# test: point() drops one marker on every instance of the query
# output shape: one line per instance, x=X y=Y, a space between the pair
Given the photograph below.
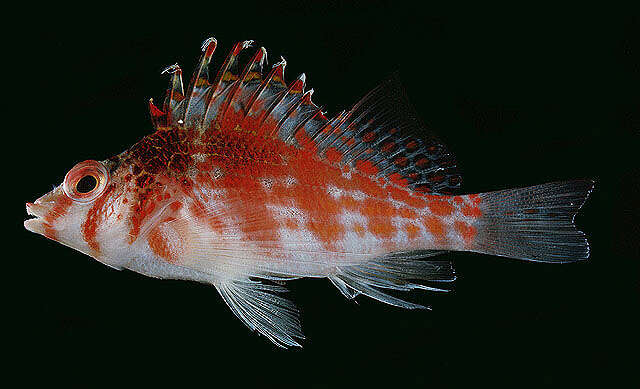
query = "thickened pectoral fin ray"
x=262 y=309
x=398 y=271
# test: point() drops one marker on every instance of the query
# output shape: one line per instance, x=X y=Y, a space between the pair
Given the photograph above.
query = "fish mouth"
x=37 y=223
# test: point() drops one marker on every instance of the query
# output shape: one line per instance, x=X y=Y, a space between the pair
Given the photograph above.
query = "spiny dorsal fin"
x=200 y=84
x=175 y=95
x=380 y=136
x=228 y=74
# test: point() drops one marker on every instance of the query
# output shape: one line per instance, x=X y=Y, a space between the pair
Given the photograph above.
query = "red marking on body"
x=140 y=211
x=475 y=198
x=307 y=144
x=467 y=231
x=422 y=162
x=198 y=210
x=166 y=242
x=373 y=208
x=403 y=195
x=413 y=231
x=401 y=162
x=292 y=224
x=333 y=155
x=59 y=209
x=440 y=207
x=350 y=203
x=95 y=216
x=435 y=227
x=471 y=211
x=388 y=146
x=369 y=136
x=366 y=167
x=382 y=229
x=397 y=179
x=408 y=213
x=412 y=145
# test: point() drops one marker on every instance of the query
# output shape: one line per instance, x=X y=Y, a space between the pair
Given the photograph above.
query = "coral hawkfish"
x=245 y=183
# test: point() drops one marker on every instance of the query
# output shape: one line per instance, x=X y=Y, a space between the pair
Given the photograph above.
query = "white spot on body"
x=334 y=191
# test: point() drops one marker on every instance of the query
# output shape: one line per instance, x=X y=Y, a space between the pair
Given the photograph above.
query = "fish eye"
x=86 y=184
x=86 y=181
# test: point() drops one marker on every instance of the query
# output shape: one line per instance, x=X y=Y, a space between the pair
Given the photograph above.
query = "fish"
x=244 y=183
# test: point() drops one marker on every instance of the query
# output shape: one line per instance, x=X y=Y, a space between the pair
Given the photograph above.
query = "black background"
x=520 y=96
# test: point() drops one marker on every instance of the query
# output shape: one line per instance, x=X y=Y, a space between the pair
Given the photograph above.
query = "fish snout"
x=38 y=223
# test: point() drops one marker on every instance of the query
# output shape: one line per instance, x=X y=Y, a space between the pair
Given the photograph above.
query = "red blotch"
x=435 y=227
x=369 y=136
x=382 y=228
x=408 y=213
x=333 y=155
x=471 y=211
x=412 y=145
x=440 y=207
x=366 y=167
x=292 y=224
x=165 y=242
x=94 y=217
x=467 y=231
x=60 y=208
x=388 y=146
x=413 y=231
x=397 y=179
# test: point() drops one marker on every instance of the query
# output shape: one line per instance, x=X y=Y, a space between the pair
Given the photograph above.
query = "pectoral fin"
x=261 y=309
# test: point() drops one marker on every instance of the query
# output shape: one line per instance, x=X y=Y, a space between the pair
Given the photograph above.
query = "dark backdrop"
x=521 y=97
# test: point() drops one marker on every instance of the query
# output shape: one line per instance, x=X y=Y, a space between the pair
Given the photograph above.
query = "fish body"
x=246 y=183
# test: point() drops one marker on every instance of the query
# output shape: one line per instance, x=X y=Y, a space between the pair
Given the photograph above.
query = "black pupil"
x=86 y=184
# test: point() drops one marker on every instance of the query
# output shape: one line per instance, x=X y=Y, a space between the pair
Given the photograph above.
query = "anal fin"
x=397 y=271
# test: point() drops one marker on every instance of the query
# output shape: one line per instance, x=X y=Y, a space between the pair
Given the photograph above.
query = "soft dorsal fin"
x=380 y=136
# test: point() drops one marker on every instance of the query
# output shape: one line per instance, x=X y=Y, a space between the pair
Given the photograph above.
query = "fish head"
x=87 y=212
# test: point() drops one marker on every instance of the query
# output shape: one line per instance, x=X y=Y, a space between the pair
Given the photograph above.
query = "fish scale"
x=245 y=183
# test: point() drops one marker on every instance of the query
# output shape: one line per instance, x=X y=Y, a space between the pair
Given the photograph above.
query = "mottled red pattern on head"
x=59 y=209
x=98 y=213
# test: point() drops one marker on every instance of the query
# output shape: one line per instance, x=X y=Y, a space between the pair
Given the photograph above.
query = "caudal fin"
x=534 y=223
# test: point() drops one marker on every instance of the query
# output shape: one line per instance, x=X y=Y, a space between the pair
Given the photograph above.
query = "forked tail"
x=534 y=223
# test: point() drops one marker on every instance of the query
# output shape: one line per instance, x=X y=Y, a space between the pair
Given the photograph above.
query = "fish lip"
x=37 y=223
x=37 y=210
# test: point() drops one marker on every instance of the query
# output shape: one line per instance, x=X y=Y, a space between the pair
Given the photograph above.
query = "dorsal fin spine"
x=158 y=118
x=320 y=135
x=175 y=93
x=235 y=86
x=334 y=125
x=279 y=66
x=296 y=87
x=304 y=100
x=295 y=106
x=216 y=87
x=201 y=74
